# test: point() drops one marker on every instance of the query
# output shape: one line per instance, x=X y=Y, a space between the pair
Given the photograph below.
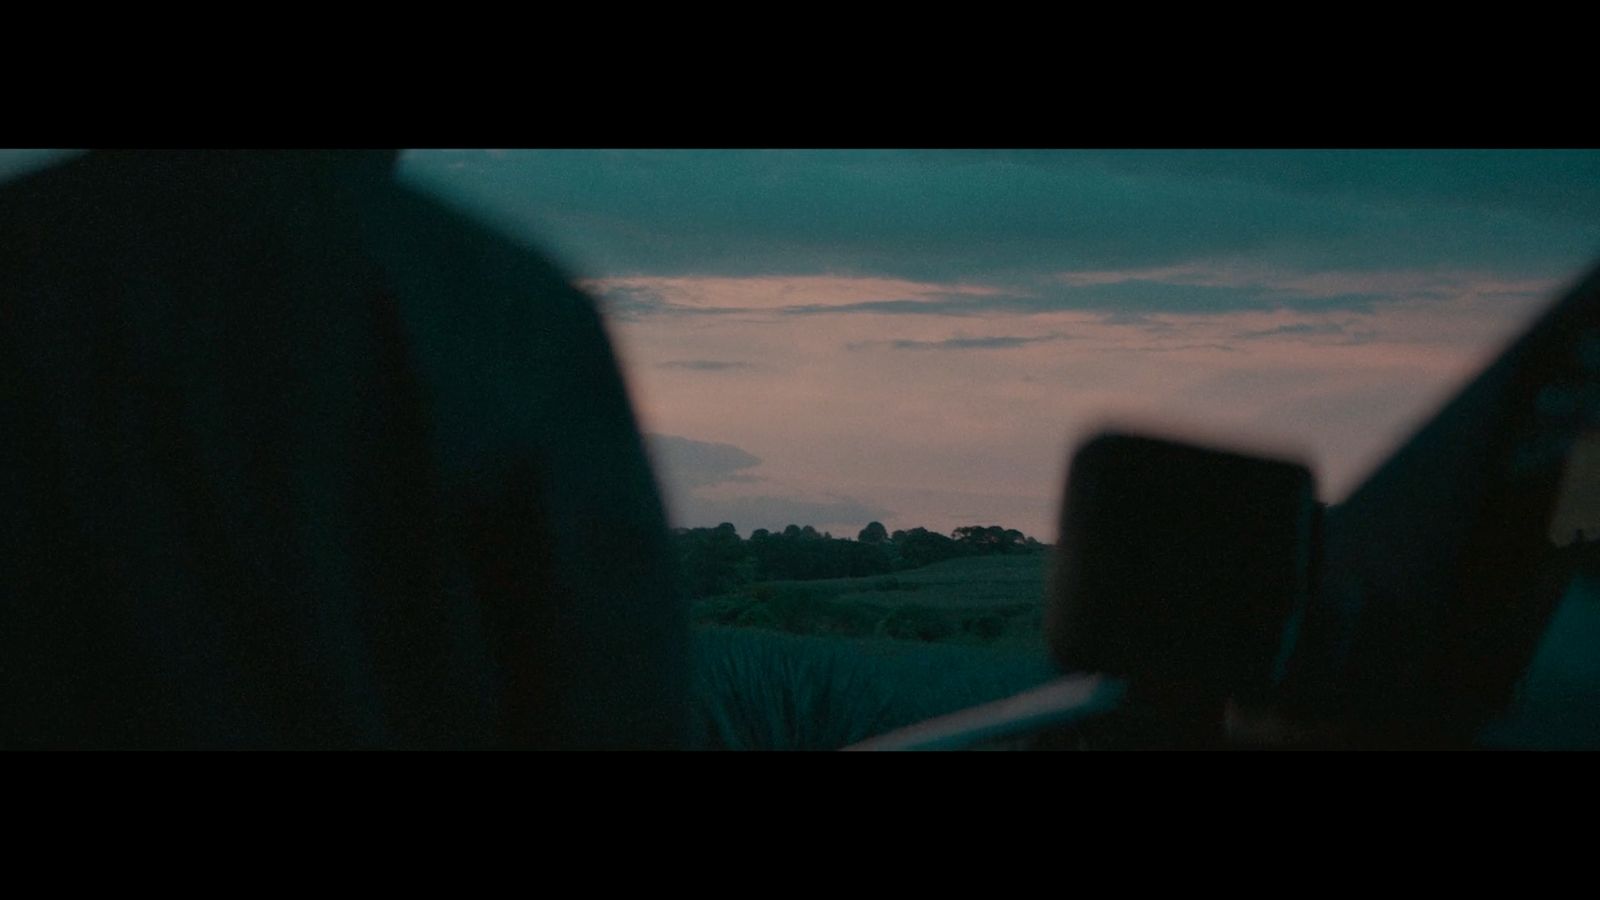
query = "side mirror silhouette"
x=1179 y=569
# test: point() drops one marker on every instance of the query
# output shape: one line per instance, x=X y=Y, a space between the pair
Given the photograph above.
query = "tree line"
x=716 y=560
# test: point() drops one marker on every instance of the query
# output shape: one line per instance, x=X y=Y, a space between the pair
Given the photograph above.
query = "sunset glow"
x=921 y=338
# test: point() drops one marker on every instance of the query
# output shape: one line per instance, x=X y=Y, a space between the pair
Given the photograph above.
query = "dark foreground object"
x=291 y=456
x=1233 y=612
x=1406 y=616
x=1439 y=574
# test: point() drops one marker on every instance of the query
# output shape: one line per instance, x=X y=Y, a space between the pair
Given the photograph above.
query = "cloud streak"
x=1313 y=332
x=1127 y=296
x=685 y=464
x=630 y=302
x=705 y=365
x=1005 y=342
x=1122 y=298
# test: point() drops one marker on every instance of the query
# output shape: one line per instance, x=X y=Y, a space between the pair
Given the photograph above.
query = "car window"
x=860 y=374
x=883 y=347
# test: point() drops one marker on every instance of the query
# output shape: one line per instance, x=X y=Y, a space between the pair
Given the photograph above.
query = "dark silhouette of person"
x=296 y=457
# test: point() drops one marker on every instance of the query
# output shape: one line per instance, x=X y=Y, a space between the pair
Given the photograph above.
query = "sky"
x=922 y=337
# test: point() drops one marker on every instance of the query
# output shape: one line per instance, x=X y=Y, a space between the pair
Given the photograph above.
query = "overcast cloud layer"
x=825 y=337
x=951 y=216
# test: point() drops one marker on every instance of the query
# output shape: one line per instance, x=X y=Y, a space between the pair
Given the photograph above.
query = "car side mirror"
x=1180 y=569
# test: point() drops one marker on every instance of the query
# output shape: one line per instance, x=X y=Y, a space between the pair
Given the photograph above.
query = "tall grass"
x=762 y=690
x=980 y=601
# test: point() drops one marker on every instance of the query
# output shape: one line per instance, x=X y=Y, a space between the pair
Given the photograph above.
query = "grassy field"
x=761 y=690
x=863 y=656
x=822 y=664
x=977 y=601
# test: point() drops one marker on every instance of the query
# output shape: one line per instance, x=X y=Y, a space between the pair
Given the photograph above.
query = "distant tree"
x=713 y=560
x=985 y=540
x=920 y=547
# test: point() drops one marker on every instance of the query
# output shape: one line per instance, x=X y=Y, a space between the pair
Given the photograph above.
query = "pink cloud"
x=1398 y=283
x=761 y=293
x=952 y=430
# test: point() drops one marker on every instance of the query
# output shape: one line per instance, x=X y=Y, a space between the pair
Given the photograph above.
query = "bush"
x=917 y=623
